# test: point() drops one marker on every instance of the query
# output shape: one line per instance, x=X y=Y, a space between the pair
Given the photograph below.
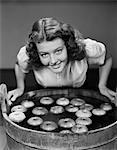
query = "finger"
x=116 y=102
x=2 y=87
x=14 y=97
x=112 y=93
x=112 y=98
x=103 y=92
x=107 y=94
x=9 y=102
x=1 y=97
x=5 y=89
x=10 y=94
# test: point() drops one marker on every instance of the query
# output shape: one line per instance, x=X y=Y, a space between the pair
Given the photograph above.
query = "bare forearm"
x=20 y=76
x=104 y=72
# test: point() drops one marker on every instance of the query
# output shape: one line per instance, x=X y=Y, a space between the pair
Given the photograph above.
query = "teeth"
x=57 y=65
x=59 y=62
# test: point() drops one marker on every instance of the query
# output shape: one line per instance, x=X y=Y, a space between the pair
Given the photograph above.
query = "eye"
x=58 y=51
x=44 y=55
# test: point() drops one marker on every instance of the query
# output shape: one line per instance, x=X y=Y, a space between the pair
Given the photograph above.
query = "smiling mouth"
x=56 y=66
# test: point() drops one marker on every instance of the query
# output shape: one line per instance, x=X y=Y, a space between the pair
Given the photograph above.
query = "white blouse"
x=75 y=72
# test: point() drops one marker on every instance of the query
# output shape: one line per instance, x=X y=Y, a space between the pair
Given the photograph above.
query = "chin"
x=58 y=70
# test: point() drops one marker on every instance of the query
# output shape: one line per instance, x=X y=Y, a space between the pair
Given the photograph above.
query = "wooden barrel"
x=20 y=138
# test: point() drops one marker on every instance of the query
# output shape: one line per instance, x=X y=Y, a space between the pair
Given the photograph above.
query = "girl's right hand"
x=12 y=95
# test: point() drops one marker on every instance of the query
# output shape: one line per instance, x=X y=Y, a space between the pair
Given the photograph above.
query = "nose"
x=53 y=59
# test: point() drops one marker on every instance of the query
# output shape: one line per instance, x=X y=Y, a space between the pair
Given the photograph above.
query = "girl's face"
x=53 y=54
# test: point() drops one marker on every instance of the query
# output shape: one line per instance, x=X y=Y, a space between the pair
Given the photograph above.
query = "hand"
x=108 y=93
x=3 y=92
x=1 y=97
x=12 y=95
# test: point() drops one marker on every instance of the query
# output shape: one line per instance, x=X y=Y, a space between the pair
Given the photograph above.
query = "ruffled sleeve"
x=95 y=51
x=23 y=59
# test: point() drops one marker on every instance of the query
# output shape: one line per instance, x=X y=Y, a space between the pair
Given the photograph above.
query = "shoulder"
x=94 y=48
x=23 y=60
x=22 y=55
x=92 y=42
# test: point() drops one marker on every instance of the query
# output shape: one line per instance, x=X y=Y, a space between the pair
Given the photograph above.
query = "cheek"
x=64 y=56
x=44 y=61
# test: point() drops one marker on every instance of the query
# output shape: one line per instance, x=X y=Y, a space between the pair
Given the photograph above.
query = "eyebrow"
x=61 y=47
x=43 y=53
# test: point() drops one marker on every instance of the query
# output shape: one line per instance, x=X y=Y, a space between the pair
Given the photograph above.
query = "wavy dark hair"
x=49 y=29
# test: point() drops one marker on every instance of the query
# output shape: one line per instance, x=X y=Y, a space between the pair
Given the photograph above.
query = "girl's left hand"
x=3 y=90
x=109 y=93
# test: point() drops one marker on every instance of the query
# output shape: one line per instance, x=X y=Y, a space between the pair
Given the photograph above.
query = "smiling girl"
x=59 y=56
